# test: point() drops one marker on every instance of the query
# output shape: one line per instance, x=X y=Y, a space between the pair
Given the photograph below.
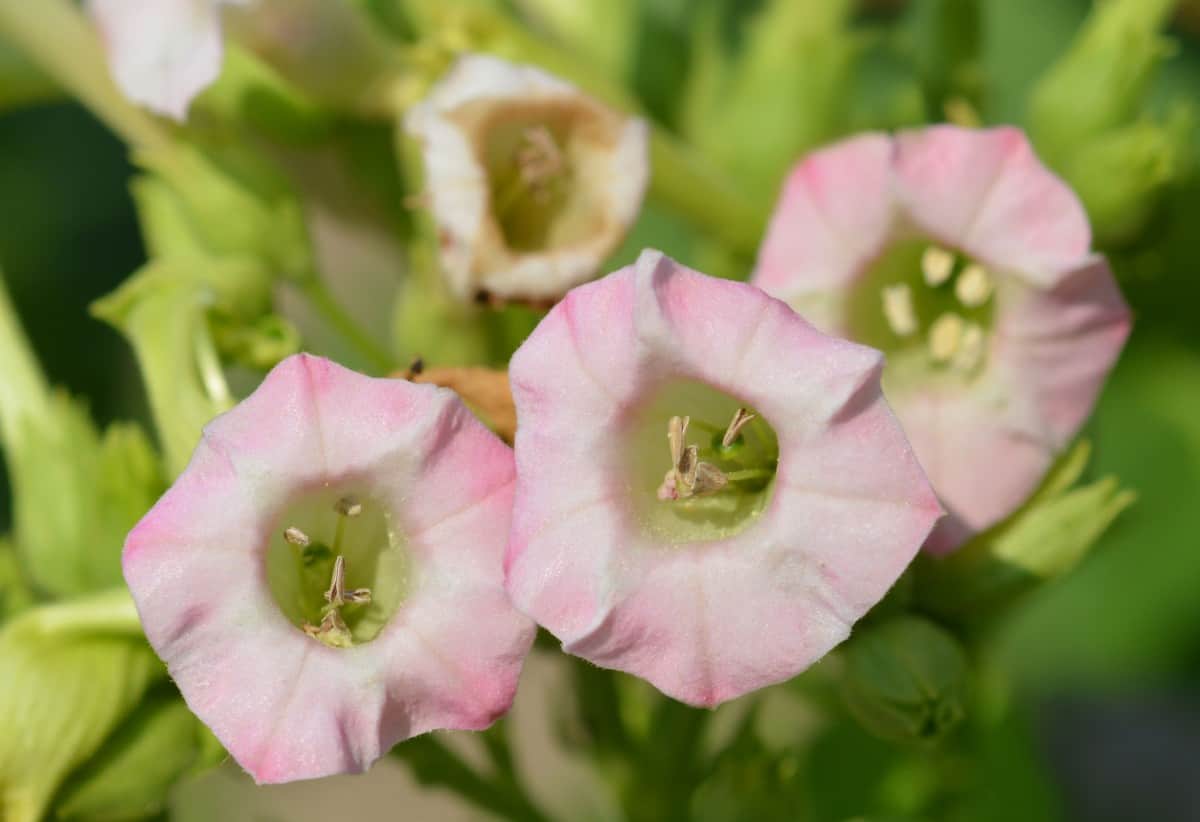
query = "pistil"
x=332 y=630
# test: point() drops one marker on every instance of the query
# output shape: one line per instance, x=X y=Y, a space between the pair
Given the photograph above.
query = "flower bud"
x=906 y=680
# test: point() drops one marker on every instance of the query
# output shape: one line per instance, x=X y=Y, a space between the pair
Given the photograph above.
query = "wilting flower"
x=325 y=578
x=962 y=257
x=531 y=183
x=162 y=53
x=709 y=491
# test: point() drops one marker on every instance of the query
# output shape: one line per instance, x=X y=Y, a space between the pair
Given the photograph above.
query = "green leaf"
x=69 y=674
x=15 y=594
x=1042 y=541
x=129 y=777
x=76 y=494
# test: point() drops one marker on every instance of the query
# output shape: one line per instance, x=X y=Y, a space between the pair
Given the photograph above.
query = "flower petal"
x=987 y=193
x=833 y=217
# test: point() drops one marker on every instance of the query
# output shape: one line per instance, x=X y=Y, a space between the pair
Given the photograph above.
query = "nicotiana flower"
x=326 y=577
x=962 y=257
x=531 y=183
x=162 y=53
x=709 y=491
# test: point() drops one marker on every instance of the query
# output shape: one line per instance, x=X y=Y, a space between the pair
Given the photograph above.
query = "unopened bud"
x=906 y=680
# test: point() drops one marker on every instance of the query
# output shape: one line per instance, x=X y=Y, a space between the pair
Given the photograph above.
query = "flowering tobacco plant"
x=325 y=579
x=790 y=501
x=719 y=488
x=960 y=255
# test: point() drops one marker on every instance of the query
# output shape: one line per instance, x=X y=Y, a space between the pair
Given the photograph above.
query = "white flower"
x=531 y=183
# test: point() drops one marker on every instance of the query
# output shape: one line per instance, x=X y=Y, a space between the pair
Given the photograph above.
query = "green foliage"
x=757 y=110
x=69 y=674
x=76 y=494
x=1129 y=614
x=129 y=776
x=1088 y=117
x=1046 y=538
x=163 y=311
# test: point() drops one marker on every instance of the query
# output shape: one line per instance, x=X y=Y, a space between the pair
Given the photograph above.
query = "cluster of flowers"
x=707 y=488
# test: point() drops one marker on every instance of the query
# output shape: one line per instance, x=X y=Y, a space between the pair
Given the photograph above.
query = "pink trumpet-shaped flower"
x=960 y=255
x=325 y=578
x=162 y=53
x=709 y=491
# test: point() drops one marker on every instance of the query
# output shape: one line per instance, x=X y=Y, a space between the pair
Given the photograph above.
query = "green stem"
x=331 y=310
x=23 y=390
x=54 y=36
x=433 y=763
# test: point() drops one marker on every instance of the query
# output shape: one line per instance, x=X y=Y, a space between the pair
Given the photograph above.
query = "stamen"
x=973 y=286
x=970 y=349
x=937 y=264
x=945 y=337
x=294 y=536
x=689 y=476
x=740 y=418
x=336 y=595
x=898 y=310
x=539 y=160
x=348 y=507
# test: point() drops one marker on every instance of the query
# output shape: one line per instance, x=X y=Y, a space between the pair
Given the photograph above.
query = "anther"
x=689 y=476
x=945 y=337
x=348 y=507
x=337 y=595
x=295 y=536
x=740 y=418
x=937 y=264
x=973 y=286
x=898 y=309
x=970 y=348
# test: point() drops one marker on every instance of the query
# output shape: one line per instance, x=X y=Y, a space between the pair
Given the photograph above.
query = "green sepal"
x=227 y=201
x=1100 y=83
x=602 y=31
x=1122 y=174
x=251 y=92
x=905 y=680
x=164 y=313
x=76 y=494
x=69 y=675
x=259 y=344
x=757 y=110
x=1042 y=541
x=130 y=776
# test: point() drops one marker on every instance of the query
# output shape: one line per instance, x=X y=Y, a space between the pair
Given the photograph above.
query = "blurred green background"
x=1105 y=664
